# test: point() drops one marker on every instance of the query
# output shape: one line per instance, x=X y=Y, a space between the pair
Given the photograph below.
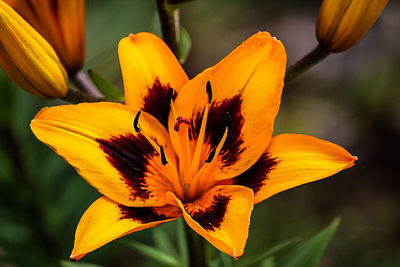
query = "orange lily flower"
x=202 y=150
x=61 y=23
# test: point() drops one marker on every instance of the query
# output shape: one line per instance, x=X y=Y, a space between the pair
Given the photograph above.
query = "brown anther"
x=178 y=122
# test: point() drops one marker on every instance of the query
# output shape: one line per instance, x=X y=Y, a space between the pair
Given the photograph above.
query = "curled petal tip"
x=355 y=159
x=131 y=37
x=234 y=255
x=74 y=257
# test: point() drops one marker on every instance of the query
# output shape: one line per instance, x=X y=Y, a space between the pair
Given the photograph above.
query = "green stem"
x=311 y=59
x=169 y=19
x=81 y=80
x=75 y=96
x=196 y=247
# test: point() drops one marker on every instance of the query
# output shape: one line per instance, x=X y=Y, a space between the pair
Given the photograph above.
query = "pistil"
x=181 y=127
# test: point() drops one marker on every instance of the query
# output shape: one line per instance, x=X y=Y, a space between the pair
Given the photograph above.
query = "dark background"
x=350 y=99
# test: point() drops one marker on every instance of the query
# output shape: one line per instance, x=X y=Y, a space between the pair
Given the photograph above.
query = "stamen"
x=163 y=157
x=178 y=122
x=170 y=94
x=209 y=91
x=228 y=121
x=211 y=155
x=200 y=141
x=136 y=121
x=202 y=177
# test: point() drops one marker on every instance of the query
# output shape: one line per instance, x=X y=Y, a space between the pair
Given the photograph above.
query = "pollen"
x=136 y=121
x=179 y=121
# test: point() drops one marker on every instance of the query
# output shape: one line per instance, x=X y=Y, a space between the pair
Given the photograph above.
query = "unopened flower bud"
x=342 y=23
x=28 y=59
x=61 y=23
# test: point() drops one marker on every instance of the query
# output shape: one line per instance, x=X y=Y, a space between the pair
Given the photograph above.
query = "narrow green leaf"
x=182 y=241
x=152 y=253
x=163 y=242
x=7 y=98
x=77 y=264
x=155 y=26
x=226 y=260
x=105 y=87
x=185 y=44
x=269 y=262
x=309 y=253
x=250 y=260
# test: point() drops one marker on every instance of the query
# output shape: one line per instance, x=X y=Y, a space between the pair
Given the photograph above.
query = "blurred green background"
x=351 y=99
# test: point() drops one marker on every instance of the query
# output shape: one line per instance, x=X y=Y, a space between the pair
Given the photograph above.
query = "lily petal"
x=292 y=160
x=222 y=216
x=99 y=141
x=106 y=220
x=149 y=70
x=247 y=84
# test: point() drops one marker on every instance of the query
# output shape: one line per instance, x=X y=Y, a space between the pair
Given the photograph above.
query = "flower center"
x=196 y=159
x=194 y=170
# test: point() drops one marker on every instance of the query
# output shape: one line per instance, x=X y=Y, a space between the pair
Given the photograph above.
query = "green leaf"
x=222 y=260
x=185 y=44
x=152 y=253
x=155 y=26
x=77 y=264
x=182 y=241
x=105 y=87
x=309 y=253
x=7 y=98
x=163 y=242
x=269 y=262
x=250 y=260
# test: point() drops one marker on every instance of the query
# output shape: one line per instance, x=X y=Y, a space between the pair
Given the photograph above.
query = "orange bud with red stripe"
x=342 y=23
x=61 y=23
x=28 y=59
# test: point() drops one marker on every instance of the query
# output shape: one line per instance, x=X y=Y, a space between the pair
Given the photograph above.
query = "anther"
x=170 y=94
x=211 y=155
x=136 y=121
x=178 y=122
x=209 y=91
x=163 y=158
x=228 y=121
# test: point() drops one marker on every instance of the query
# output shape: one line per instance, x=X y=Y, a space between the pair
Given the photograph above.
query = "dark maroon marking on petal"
x=212 y=217
x=54 y=7
x=130 y=154
x=32 y=9
x=143 y=214
x=156 y=101
x=256 y=176
x=216 y=125
x=211 y=155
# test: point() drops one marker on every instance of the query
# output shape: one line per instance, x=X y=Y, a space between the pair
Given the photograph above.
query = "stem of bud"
x=170 y=25
x=81 y=80
x=311 y=59
x=75 y=96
